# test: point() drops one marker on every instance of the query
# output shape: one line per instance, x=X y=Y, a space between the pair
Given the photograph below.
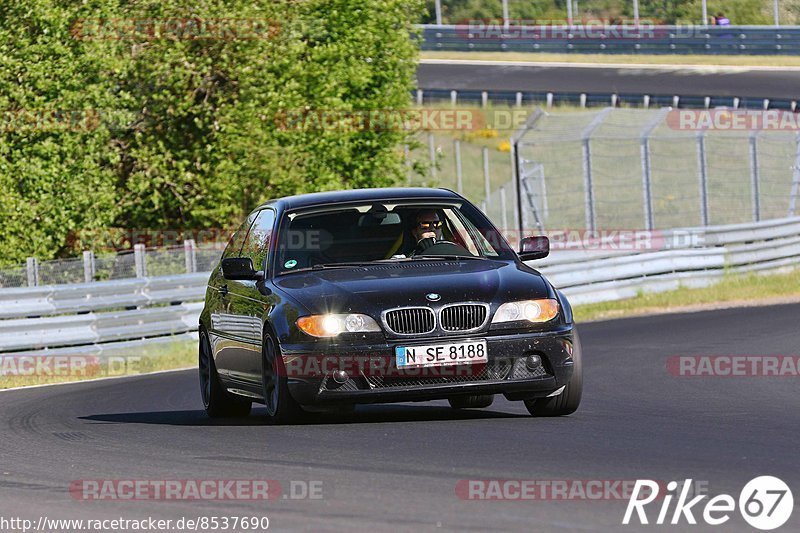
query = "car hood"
x=371 y=289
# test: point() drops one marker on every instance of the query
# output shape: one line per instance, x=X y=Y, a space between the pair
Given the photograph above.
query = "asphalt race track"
x=395 y=467
x=703 y=81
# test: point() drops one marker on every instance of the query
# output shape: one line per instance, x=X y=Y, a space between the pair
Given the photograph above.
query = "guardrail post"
x=518 y=100
x=549 y=99
x=459 y=177
x=88 y=266
x=702 y=177
x=484 y=98
x=419 y=96
x=755 y=184
x=32 y=268
x=453 y=97
x=190 y=255
x=487 y=189
x=140 y=261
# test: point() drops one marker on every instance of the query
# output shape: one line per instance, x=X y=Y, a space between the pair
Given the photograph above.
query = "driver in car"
x=427 y=230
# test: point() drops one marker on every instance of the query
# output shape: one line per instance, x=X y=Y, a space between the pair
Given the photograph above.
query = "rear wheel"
x=570 y=398
x=282 y=408
x=217 y=402
x=475 y=401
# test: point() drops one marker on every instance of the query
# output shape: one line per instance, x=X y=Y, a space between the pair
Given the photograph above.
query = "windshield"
x=373 y=232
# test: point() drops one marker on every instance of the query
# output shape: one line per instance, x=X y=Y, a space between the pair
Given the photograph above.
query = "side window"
x=256 y=245
x=237 y=239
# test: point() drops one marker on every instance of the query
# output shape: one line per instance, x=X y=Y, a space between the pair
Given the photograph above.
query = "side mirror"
x=531 y=248
x=240 y=268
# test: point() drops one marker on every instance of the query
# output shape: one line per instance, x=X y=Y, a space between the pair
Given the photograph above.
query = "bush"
x=189 y=134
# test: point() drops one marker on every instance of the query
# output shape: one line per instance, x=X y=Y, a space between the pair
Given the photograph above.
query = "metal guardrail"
x=548 y=99
x=585 y=276
x=689 y=39
x=705 y=258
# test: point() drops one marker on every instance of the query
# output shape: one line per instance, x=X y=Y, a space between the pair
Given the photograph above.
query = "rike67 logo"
x=765 y=503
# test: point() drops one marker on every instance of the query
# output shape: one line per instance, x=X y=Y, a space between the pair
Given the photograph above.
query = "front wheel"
x=282 y=408
x=217 y=402
x=570 y=398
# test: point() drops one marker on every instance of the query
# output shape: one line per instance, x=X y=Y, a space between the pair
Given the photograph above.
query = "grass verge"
x=732 y=291
x=44 y=369
x=623 y=59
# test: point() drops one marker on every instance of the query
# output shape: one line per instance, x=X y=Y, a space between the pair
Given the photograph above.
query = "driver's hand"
x=424 y=244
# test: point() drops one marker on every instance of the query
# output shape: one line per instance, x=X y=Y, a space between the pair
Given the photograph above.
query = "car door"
x=227 y=333
x=248 y=303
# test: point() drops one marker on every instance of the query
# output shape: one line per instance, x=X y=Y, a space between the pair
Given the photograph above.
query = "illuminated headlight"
x=334 y=324
x=529 y=310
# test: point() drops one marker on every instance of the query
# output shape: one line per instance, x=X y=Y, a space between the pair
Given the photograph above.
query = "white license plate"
x=458 y=353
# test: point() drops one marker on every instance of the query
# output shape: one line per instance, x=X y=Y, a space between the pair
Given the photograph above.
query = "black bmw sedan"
x=327 y=300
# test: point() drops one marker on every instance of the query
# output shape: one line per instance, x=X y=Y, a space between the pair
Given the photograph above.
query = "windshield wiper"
x=445 y=257
x=322 y=266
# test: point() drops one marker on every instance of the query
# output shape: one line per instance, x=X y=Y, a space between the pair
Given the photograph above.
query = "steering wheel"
x=444 y=248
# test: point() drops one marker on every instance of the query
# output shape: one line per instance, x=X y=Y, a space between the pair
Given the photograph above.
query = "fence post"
x=487 y=188
x=140 y=261
x=32 y=268
x=190 y=255
x=647 y=177
x=88 y=266
x=514 y=185
x=407 y=159
x=432 y=154
x=795 y=178
x=588 y=185
x=702 y=177
x=459 y=177
x=755 y=184
x=503 y=206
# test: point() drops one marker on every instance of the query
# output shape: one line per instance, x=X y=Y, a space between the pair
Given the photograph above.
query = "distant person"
x=722 y=20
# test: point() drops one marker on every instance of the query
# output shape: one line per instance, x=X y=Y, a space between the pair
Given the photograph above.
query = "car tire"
x=568 y=401
x=475 y=401
x=282 y=408
x=217 y=402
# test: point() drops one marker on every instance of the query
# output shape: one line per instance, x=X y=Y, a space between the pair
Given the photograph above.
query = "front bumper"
x=372 y=376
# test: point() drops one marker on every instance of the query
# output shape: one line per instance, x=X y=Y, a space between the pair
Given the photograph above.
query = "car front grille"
x=495 y=371
x=410 y=320
x=463 y=317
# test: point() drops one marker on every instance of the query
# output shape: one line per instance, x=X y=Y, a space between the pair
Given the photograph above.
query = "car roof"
x=355 y=195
